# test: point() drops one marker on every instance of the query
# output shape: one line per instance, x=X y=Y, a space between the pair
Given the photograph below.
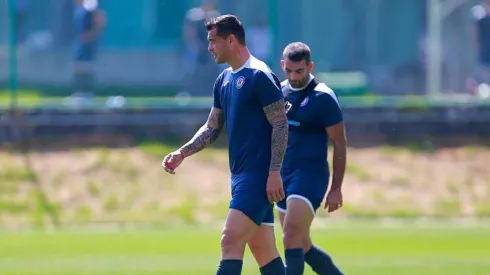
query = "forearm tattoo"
x=206 y=135
x=276 y=114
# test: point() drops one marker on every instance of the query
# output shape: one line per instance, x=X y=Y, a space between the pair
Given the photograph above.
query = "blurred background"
x=93 y=94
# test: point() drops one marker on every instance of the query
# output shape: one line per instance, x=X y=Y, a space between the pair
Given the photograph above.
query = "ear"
x=311 y=66
x=231 y=39
x=283 y=64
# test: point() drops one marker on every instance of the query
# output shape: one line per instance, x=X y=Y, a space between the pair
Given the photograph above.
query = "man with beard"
x=314 y=118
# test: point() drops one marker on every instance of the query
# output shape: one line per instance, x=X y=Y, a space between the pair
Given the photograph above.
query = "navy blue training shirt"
x=242 y=94
x=310 y=111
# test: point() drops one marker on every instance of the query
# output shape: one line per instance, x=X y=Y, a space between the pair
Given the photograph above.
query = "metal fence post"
x=12 y=54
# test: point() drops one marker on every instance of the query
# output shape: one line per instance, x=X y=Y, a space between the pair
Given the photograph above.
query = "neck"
x=240 y=57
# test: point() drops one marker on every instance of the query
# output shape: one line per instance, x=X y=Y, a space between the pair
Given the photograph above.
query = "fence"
x=375 y=47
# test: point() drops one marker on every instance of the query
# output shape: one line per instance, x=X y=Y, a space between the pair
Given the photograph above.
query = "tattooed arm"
x=276 y=114
x=206 y=135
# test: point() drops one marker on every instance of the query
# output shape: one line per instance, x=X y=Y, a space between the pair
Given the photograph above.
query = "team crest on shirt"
x=240 y=81
x=304 y=102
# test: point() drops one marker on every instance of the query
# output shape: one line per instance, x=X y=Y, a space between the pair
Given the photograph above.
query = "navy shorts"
x=308 y=182
x=248 y=195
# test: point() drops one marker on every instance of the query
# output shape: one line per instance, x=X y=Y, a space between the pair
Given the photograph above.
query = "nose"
x=295 y=76
x=210 y=49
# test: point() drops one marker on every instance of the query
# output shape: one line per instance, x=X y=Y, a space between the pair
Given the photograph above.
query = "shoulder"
x=226 y=73
x=284 y=84
x=284 y=88
x=262 y=72
x=223 y=76
x=478 y=12
x=325 y=93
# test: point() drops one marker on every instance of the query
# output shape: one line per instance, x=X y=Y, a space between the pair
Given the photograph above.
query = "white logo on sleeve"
x=288 y=106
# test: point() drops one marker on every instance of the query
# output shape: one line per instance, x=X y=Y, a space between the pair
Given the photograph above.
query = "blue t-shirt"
x=310 y=111
x=83 y=20
x=242 y=94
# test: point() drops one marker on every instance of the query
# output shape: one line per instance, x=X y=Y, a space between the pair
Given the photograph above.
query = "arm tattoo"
x=276 y=114
x=206 y=135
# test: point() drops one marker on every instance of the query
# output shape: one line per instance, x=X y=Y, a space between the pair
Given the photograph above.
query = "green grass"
x=358 y=247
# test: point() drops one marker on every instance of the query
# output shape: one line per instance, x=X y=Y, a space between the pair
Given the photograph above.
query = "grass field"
x=359 y=248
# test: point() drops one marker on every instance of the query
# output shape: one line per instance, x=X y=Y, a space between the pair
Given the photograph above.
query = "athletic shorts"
x=248 y=195
x=308 y=183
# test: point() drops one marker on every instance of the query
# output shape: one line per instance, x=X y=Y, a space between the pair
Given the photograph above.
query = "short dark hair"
x=297 y=51
x=227 y=25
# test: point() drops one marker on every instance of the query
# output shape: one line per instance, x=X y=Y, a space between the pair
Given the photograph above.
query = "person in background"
x=481 y=35
x=89 y=21
x=260 y=39
x=22 y=19
x=198 y=68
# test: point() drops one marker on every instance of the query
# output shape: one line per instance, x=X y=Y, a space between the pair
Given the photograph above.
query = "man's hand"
x=334 y=200
x=172 y=161
x=275 y=191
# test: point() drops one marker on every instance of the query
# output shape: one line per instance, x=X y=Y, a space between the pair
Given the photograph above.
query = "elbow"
x=340 y=143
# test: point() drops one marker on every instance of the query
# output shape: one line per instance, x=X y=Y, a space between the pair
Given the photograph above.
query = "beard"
x=219 y=59
x=299 y=83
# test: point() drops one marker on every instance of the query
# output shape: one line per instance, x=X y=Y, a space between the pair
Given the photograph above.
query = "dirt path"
x=128 y=184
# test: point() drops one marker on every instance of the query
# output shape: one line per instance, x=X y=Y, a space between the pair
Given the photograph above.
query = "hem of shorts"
x=307 y=201
x=281 y=210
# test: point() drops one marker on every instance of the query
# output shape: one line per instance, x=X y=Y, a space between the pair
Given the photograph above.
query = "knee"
x=294 y=235
x=231 y=242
